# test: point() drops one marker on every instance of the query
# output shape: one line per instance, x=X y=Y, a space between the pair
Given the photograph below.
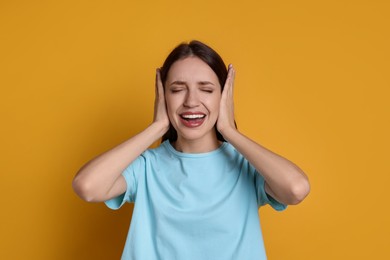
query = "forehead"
x=191 y=69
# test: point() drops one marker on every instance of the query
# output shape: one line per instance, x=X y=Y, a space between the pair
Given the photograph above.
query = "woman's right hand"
x=160 y=108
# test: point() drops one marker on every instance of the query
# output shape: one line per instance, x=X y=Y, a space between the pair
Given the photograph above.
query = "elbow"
x=83 y=189
x=299 y=191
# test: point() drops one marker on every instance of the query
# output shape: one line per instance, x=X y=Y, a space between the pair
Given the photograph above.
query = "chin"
x=190 y=136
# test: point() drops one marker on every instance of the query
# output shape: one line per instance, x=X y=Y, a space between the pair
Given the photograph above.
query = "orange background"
x=312 y=83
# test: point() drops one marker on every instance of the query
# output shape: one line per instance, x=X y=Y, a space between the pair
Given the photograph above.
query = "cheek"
x=169 y=109
x=212 y=105
x=171 y=104
x=215 y=102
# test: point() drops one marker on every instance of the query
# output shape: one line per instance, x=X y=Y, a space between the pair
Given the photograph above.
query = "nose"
x=192 y=99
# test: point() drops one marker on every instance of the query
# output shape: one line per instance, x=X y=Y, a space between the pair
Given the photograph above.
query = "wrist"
x=159 y=127
x=228 y=133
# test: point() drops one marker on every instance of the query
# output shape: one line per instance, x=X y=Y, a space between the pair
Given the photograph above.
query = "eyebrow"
x=177 y=82
x=180 y=82
x=206 y=83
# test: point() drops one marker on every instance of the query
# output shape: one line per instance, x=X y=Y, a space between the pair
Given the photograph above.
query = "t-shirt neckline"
x=169 y=146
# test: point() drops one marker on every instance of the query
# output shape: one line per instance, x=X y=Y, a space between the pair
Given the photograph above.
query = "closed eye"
x=206 y=86
x=175 y=90
x=207 y=90
x=177 y=86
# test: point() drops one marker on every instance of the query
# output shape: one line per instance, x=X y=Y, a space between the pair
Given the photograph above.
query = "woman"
x=197 y=194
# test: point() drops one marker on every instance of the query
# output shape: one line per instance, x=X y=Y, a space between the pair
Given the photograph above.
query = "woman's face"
x=193 y=94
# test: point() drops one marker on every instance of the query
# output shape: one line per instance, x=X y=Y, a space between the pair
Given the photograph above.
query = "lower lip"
x=192 y=123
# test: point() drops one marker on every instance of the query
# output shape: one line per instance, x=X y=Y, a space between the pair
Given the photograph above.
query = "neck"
x=196 y=146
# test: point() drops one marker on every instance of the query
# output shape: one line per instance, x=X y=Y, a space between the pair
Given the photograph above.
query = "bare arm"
x=285 y=182
x=101 y=178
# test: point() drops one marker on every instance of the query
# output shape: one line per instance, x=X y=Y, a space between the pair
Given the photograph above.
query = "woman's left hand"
x=226 y=108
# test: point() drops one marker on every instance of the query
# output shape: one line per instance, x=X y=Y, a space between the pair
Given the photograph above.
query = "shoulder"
x=239 y=160
x=231 y=152
x=158 y=152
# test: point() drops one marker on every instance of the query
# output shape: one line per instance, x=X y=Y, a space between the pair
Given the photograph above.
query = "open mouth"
x=192 y=119
x=192 y=116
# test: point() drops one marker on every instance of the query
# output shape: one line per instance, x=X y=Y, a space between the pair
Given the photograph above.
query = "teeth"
x=193 y=116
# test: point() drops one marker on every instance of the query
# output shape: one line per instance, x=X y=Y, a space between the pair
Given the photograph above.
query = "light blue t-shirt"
x=194 y=206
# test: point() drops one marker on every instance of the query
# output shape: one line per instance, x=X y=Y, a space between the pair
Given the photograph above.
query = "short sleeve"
x=263 y=198
x=131 y=173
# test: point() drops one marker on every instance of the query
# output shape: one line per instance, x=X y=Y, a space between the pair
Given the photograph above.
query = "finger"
x=156 y=83
x=230 y=79
x=159 y=85
x=230 y=76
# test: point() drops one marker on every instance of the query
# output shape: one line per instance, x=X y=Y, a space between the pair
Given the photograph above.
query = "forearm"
x=95 y=179
x=284 y=180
